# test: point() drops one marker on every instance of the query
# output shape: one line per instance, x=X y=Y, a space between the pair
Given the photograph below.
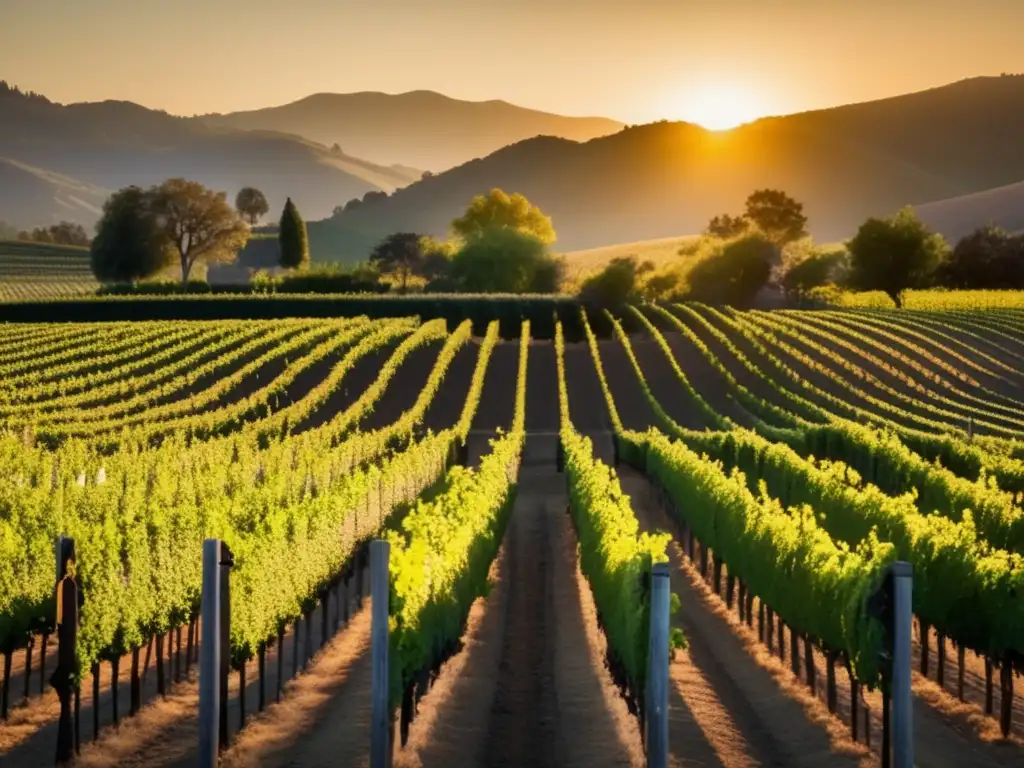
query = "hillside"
x=959 y=216
x=420 y=128
x=25 y=190
x=657 y=180
x=111 y=144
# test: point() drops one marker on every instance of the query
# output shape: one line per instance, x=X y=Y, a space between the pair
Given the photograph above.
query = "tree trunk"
x=924 y=649
x=809 y=664
x=960 y=672
x=988 y=686
x=940 y=667
x=730 y=590
x=830 y=680
x=1006 y=697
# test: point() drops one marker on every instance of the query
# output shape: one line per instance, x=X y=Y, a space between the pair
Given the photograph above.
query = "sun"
x=719 y=107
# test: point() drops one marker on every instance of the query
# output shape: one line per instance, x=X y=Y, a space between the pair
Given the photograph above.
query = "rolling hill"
x=420 y=128
x=959 y=216
x=107 y=145
x=657 y=180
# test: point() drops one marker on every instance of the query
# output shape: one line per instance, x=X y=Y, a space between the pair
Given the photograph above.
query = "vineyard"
x=35 y=272
x=527 y=482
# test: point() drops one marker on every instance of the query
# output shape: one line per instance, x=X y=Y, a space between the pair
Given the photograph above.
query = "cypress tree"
x=293 y=238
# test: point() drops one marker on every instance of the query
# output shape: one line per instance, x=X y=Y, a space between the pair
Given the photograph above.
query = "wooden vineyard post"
x=902 y=701
x=209 y=661
x=67 y=647
x=380 y=737
x=225 y=563
x=656 y=708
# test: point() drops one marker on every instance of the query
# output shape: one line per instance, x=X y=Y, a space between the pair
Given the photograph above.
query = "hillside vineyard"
x=526 y=488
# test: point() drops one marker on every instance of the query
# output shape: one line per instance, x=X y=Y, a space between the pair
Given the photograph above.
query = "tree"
x=816 y=269
x=129 y=246
x=503 y=260
x=894 y=254
x=293 y=238
x=617 y=284
x=355 y=202
x=198 y=223
x=989 y=257
x=399 y=254
x=498 y=210
x=726 y=226
x=777 y=215
x=437 y=257
x=734 y=274
x=251 y=204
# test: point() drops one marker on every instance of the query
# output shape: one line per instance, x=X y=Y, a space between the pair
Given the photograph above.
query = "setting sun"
x=720 y=107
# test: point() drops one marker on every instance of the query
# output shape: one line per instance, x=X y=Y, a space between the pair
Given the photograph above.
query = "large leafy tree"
x=129 y=246
x=989 y=257
x=734 y=274
x=251 y=204
x=505 y=260
x=498 y=210
x=198 y=223
x=779 y=217
x=616 y=284
x=894 y=254
x=293 y=238
x=400 y=254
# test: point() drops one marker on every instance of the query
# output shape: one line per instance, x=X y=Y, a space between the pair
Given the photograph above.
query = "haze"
x=715 y=63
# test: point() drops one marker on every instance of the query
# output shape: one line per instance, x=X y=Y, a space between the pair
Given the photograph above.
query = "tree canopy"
x=505 y=260
x=198 y=223
x=618 y=283
x=726 y=226
x=64 y=233
x=989 y=257
x=894 y=254
x=498 y=210
x=128 y=245
x=734 y=274
x=817 y=268
x=777 y=215
x=400 y=254
x=293 y=237
x=251 y=204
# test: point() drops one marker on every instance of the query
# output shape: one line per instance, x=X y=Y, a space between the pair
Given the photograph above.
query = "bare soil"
x=530 y=687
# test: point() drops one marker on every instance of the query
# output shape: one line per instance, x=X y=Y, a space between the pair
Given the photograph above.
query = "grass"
x=33 y=271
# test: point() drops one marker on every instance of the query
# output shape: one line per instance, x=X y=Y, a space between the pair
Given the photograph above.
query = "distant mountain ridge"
x=111 y=144
x=662 y=179
x=424 y=129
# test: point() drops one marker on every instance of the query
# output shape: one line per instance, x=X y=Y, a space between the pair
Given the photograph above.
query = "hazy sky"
x=635 y=60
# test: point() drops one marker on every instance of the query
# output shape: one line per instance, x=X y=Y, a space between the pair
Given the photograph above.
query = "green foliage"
x=815 y=270
x=727 y=227
x=251 y=204
x=989 y=257
x=441 y=557
x=734 y=275
x=197 y=223
x=617 y=284
x=778 y=216
x=783 y=556
x=498 y=210
x=894 y=254
x=400 y=254
x=64 y=233
x=129 y=244
x=293 y=238
x=505 y=260
x=614 y=556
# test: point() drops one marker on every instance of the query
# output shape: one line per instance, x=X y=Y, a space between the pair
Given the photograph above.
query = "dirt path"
x=530 y=688
x=401 y=392
x=450 y=398
x=726 y=708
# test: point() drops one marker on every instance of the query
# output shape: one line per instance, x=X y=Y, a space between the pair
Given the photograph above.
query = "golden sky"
x=637 y=61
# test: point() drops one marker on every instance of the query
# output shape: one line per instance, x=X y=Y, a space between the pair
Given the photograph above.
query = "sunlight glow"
x=719 y=107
